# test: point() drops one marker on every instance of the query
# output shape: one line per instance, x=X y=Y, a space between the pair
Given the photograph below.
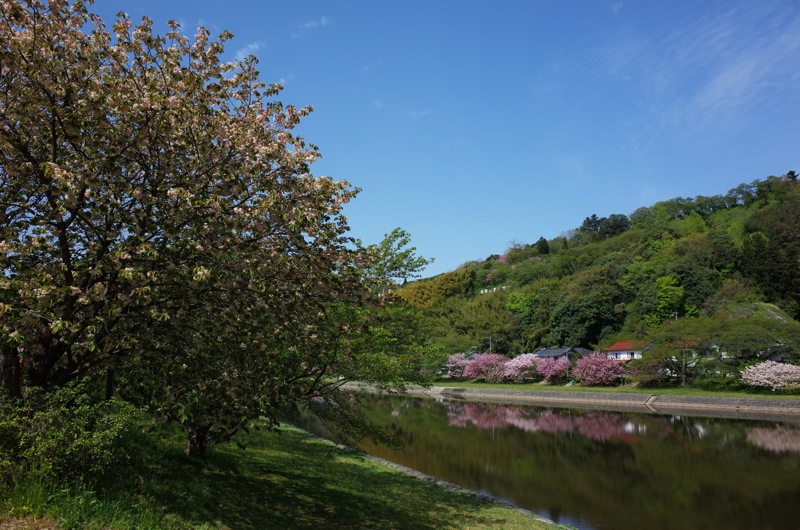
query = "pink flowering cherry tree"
x=454 y=366
x=519 y=368
x=485 y=365
x=598 y=370
x=553 y=369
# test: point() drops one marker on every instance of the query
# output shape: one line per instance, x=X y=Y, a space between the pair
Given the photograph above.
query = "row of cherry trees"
x=591 y=370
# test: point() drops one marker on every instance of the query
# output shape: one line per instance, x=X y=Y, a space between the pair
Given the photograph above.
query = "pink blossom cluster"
x=519 y=368
x=552 y=368
x=772 y=375
x=455 y=365
x=485 y=365
x=598 y=370
x=497 y=368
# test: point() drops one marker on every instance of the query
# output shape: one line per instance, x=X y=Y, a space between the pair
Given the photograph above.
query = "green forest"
x=714 y=278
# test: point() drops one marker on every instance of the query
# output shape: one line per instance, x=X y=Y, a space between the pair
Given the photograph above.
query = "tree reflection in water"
x=602 y=469
x=600 y=426
x=779 y=439
x=490 y=416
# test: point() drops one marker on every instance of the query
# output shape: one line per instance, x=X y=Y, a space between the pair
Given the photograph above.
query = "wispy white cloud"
x=248 y=50
x=616 y=7
x=414 y=114
x=367 y=68
x=286 y=79
x=717 y=70
x=727 y=67
x=378 y=104
x=311 y=25
x=211 y=26
x=314 y=24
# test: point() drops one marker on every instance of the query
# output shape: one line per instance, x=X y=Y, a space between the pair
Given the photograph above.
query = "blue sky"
x=473 y=124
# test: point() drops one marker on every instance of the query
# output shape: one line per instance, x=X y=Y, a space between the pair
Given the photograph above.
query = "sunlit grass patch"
x=285 y=479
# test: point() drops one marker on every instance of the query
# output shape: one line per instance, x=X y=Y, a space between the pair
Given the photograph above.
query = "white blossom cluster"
x=772 y=375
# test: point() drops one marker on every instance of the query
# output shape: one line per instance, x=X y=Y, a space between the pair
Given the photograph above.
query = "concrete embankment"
x=745 y=408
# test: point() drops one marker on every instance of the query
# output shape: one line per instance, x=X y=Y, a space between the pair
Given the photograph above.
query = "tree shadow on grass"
x=294 y=481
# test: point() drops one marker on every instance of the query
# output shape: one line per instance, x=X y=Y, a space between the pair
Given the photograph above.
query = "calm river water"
x=604 y=470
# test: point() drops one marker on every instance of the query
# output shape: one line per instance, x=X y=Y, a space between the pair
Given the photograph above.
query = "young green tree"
x=394 y=261
x=669 y=300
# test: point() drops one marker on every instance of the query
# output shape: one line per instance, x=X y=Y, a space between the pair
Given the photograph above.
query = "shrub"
x=63 y=433
x=455 y=365
x=551 y=368
x=519 y=368
x=486 y=365
x=598 y=370
x=771 y=374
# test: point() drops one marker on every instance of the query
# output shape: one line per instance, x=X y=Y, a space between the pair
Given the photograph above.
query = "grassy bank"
x=627 y=389
x=282 y=480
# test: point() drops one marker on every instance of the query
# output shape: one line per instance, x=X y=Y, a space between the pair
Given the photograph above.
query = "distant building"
x=561 y=353
x=625 y=350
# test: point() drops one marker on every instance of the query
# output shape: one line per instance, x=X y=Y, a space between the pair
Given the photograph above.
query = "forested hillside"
x=721 y=270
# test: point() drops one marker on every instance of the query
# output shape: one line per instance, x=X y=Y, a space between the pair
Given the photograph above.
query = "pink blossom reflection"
x=778 y=439
x=551 y=422
x=600 y=426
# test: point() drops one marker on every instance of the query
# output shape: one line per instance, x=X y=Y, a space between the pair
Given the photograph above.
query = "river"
x=595 y=469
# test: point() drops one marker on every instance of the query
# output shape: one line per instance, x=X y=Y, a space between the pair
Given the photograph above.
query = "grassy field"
x=627 y=389
x=287 y=479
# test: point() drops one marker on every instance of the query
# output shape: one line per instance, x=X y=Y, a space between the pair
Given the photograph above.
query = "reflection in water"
x=778 y=439
x=604 y=470
x=489 y=416
x=600 y=426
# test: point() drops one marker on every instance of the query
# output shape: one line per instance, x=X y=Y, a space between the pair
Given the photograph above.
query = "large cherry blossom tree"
x=158 y=216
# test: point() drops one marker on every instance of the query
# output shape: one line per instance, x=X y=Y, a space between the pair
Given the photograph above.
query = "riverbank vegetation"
x=596 y=369
x=284 y=479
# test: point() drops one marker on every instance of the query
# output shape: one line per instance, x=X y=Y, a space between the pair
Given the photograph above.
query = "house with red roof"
x=625 y=350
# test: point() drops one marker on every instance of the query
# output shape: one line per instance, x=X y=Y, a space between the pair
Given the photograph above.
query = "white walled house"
x=625 y=350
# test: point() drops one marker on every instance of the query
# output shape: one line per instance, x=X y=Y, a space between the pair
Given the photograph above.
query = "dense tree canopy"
x=672 y=269
x=158 y=216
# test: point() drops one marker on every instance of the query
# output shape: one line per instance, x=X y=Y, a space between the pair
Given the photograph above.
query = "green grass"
x=282 y=480
x=663 y=391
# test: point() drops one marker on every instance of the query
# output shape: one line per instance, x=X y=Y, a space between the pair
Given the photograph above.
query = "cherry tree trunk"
x=198 y=442
x=10 y=372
